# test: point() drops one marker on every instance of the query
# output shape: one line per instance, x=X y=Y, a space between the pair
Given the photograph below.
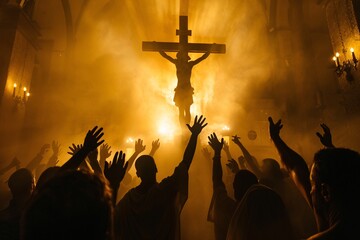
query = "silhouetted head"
x=334 y=180
x=183 y=56
x=146 y=168
x=71 y=205
x=261 y=215
x=46 y=176
x=21 y=183
x=243 y=180
x=271 y=169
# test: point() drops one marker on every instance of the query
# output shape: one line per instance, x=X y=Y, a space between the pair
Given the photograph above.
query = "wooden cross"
x=183 y=91
x=183 y=45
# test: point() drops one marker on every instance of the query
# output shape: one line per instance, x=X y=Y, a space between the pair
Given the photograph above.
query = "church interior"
x=66 y=66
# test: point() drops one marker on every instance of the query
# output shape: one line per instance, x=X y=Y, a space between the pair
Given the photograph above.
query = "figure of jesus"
x=184 y=91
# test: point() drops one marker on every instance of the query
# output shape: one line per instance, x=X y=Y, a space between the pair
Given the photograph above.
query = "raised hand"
x=93 y=138
x=274 y=128
x=233 y=166
x=74 y=149
x=139 y=147
x=226 y=147
x=105 y=151
x=325 y=138
x=215 y=143
x=15 y=162
x=155 y=145
x=236 y=139
x=115 y=170
x=55 y=146
x=44 y=149
x=205 y=151
x=198 y=125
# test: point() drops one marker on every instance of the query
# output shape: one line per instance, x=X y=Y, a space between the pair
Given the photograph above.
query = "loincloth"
x=183 y=96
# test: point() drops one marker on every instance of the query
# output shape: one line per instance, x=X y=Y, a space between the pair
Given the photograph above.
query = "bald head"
x=145 y=167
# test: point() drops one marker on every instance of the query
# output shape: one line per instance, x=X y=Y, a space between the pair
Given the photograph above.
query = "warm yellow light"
x=334 y=58
x=352 y=50
x=337 y=54
x=25 y=89
x=15 y=85
x=129 y=140
x=166 y=128
x=28 y=94
x=225 y=128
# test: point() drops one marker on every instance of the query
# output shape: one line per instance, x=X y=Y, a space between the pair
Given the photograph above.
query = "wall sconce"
x=346 y=66
x=18 y=99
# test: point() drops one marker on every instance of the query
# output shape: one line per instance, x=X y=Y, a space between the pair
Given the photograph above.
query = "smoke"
x=108 y=81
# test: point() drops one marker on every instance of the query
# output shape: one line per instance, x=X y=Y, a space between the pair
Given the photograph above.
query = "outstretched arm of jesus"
x=195 y=129
x=162 y=53
x=203 y=57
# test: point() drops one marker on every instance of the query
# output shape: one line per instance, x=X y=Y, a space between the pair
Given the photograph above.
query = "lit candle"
x=353 y=55
x=337 y=59
x=24 y=92
x=334 y=59
x=27 y=96
x=15 y=85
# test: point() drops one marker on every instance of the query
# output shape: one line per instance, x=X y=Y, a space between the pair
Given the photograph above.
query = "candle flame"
x=28 y=94
x=25 y=89
x=352 y=50
x=334 y=58
x=15 y=85
x=337 y=54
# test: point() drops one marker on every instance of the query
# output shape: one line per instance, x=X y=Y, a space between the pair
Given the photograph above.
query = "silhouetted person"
x=21 y=184
x=330 y=188
x=152 y=210
x=271 y=175
x=71 y=205
x=184 y=91
x=222 y=205
x=261 y=215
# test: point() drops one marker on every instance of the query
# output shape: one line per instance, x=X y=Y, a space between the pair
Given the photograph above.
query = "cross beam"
x=183 y=45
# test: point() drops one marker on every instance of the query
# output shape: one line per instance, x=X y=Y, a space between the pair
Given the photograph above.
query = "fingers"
x=115 y=157
x=319 y=135
x=271 y=121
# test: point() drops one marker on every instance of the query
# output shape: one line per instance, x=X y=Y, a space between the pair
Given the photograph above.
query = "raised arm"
x=92 y=156
x=253 y=165
x=14 y=163
x=115 y=172
x=162 y=53
x=139 y=148
x=217 y=169
x=325 y=138
x=203 y=57
x=154 y=147
x=231 y=164
x=294 y=163
x=104 y=154
x=91 y=141
x=195 y=130
x=37 y=159
x=54 y=158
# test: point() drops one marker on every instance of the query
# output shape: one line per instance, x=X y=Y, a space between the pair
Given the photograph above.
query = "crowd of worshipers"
x=80 y=200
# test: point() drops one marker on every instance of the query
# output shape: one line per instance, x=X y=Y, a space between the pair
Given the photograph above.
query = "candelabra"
x=346 y=66
x=18 y=99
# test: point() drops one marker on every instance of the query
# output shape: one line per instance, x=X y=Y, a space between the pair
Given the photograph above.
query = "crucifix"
x=183 y=91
